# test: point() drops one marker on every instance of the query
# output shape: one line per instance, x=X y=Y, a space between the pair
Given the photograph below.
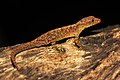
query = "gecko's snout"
x=97 y=20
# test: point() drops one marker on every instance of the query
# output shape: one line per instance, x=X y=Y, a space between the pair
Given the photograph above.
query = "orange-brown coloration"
x=55 y=35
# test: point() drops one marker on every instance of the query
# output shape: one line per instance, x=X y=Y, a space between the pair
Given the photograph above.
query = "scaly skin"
x=55 y=35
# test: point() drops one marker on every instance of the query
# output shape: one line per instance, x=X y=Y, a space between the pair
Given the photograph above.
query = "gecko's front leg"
x=77 y=42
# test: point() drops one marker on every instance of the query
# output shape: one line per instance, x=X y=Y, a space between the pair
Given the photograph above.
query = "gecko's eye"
x=92 y=20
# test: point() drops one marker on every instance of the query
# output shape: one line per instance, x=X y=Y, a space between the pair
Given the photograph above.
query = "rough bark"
x=96 y=58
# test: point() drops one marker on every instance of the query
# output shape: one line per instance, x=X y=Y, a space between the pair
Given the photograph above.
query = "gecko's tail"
x=13 y=60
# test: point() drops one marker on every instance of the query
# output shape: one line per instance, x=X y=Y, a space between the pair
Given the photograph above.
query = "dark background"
x=23 y=21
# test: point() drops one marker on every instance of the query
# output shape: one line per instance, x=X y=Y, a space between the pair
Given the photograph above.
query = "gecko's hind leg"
x=60 y=49
x=53 y=43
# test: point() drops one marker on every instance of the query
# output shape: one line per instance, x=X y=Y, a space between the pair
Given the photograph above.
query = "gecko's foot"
x=60 y=49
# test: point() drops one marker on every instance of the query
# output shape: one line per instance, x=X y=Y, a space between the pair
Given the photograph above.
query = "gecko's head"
x=89 y=21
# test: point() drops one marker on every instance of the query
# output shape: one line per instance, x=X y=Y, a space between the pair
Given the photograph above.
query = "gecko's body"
x=55 y=35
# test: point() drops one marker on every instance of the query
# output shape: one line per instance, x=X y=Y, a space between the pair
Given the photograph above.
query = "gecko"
x=55 y=35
